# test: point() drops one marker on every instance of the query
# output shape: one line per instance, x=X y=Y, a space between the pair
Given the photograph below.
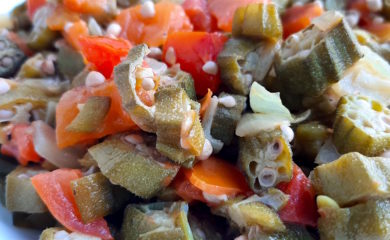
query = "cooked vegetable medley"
x=196 y=119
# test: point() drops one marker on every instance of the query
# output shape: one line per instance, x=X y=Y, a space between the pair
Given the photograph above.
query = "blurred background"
x=7 y=5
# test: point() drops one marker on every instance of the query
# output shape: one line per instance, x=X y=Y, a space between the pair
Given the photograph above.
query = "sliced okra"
x=353 y=178
x=91 y=115
x=243 y=61
x=361 y=125
x=19 y=188
x=227 y=116
x=266 y=159
x=133 y=162
x=127 y=82
x=257 y=20
x=309 y=137
x=156 y=221
x=314 y=58
x=176 y=77
x=11 y=57
x=70 y=62
x=19 y=17
x=180 y=136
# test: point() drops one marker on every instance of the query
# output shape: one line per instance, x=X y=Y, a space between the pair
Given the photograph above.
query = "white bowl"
x=10 y=232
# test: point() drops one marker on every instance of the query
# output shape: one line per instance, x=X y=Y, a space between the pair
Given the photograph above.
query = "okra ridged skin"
x=361 y=125
x=91 y=116
x=311 y=74
x=143 y=172
x=226 y=119
x=70 y=62
x=156 y=221
x=309 y=137
x=369 y=220
x=267 y=150
x=172 y=105
x=235 y=51
x=125 y=79
x=353 y=178
x=260 y=21
x=13 y=52
x=18 y=188
x=93 y=196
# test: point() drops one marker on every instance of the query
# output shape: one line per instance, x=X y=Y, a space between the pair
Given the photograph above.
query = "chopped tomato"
x=217 y=177
x=21 y=145
x=75 y=32
x=223 y=11
x=192 y=51
x=104 y=52
x=301 y=207
x=117 y=120
x=33 y=6
x=359 y=5
x=168 y=18
x=186 y=190
x=55 y=191
x=60 y=17
x=87 y=6
x=297 y=18
x=381 y=30
x=199 y=15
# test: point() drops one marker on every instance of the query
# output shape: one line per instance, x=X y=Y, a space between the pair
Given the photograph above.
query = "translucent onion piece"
x=328 y=153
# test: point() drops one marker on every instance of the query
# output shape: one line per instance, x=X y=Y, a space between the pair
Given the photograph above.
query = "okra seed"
x=48 y=67
x=210 y=67
x=134 y=139
x=7 y=62
x=155 y=52
x=4 y=86
x=227 y=101
x=207 y=150
x=148 y=84
x=352 y=17
x=378 y=20
x=61 y=235
x=148 y=10
x=114 y=29
x=374 y=5
x=67 y=26
x=94 y=79
x=5 y=114
x=170 y=56
x=288 y=132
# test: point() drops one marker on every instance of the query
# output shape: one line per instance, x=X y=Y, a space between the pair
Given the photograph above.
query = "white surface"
x=9 y=232
x=7 y=5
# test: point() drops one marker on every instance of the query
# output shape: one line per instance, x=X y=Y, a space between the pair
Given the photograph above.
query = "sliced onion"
x=45 y=145
x=328 y=153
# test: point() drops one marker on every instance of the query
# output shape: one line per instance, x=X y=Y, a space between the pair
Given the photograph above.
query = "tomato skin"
x=199 y=15
x=186 y=190
x=86 y=6
x=33 y=6
x=380 y=30
x=55 y=191
x=21 y=146
x=117 y=120
x=169 y=17
x=104 y=52
x=199 y=48
x=301 y=207
x=297 y=18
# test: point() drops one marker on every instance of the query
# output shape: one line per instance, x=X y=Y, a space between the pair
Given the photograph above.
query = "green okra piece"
x=11 y=57
x=87 y=161
x=243 y=61
x=257 y=20
x=156 y=221
x=31 y=68
x=367 y=220
x=226 y=118
x=20 y=195
x=314 y=58
x=235 y=51
x=247 y=213
x=79 y=79
x=125 y=79
x=134 y=164
x=386 y=9
x=173 y=110
x=93 y=196
x=49 y=233
x=309 y=137
x=266 y=159
x=91 y=115
x=352 y=178
x=176 y=77
x=70 y=62
x=41 y=37
x=361 y=125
